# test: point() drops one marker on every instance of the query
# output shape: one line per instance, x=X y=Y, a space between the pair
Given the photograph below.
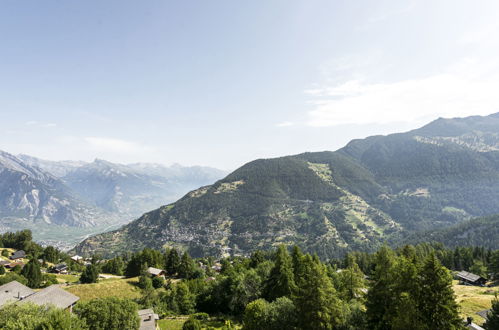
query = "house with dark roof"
x=60 y=269
x=469 y=278
x=148 y=319
x=13 y=291
x=18 y=255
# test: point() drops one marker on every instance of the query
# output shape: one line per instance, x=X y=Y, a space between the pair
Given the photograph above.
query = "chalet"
x=13 y=291
x=53 y=295
x=155 y=271
x=77 y=258
x=18 y=255
x=60 y=269
x=147 y=319
x=469 y=278
x=4 y=262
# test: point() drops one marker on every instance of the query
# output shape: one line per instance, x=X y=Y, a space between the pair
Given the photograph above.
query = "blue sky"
x=221 y=83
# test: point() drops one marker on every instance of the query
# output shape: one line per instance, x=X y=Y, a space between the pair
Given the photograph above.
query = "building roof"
x=60 y=267
x=13 y=291
x=147 y=319
x=77 y=257
x=484 y=313
x=154 y=271
x=4 y=262
x=18 y=255
x=53 y=295
x=473 y=326
x=469 y=276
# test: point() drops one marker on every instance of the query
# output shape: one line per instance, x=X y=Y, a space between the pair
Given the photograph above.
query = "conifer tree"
x=296 y=257
x=172 y=262
x=436 y=301
x=32 y=273
x=493 y=316
x=90 y=274
x=316 y=300
x=381 y=297
x=281 y=279
x=351 y=280
x=186 y=266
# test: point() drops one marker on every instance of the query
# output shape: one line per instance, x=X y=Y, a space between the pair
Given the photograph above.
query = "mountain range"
x=58 y=195
x=370 y=191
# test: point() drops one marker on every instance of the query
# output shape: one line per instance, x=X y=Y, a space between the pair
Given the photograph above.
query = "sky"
x=220 y=83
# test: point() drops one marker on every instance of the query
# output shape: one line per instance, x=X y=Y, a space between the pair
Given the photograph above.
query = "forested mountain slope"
x=332 y=202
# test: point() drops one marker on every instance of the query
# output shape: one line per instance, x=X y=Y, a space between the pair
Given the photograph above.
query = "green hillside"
x=332 y=202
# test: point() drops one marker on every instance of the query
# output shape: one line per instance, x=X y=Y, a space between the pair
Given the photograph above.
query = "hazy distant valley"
x=63 y=202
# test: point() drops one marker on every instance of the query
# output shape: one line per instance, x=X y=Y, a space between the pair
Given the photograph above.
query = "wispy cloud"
x=445 y=95
x=34 y=123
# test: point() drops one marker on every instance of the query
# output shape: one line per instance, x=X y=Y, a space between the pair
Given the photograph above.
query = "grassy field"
x=120 y=288
x=62 y=278
x=474 y=299
x=176 y=324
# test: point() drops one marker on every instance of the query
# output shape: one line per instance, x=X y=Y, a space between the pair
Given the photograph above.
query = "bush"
x=5 y=253
x=158 y=282
x=109 y=313
x=2 y=270
x=201 y=316
x=9 y=277
x=192 y=324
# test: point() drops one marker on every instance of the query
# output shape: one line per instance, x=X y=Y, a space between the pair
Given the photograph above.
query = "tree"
x=315 y=299
x=351 y=281
x=184 y=299
x=109 y=313
x=145 y=282
x=31 y=271
x=281 y=280
x=158 y=282
x=90 y=274
x=30 y=316
x=192 y=324
x=5 y=253
x=277 y=315
x=2 y=270
x=114 y=266
x=479 y=268
x=436 y=301
x=172 y=262
x=51 y=254
x=186 y=266
x=381 y=297
x=493 y=316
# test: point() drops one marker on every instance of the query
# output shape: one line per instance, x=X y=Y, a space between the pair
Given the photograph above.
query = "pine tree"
x=281 y=279
x=436 y=301
x=493 y=316
x=186 y=266
x=316 y=300
x=90 y=274
x=172 y=262
x=381 y=298
x=32 y=273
